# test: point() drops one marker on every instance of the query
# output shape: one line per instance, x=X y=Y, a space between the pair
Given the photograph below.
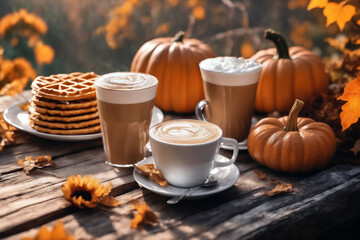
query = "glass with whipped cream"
x=185 y=150
x=125 y=102
x=230 y=85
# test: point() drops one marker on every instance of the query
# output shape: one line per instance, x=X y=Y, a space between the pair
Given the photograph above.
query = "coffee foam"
x=185 y=132
x=125 y=80
x=230 y=71
x=126 y=87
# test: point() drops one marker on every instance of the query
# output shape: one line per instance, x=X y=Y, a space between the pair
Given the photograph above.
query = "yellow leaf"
x=350 y=111
x=317 y=4
x=339 y=13
x=143 y=216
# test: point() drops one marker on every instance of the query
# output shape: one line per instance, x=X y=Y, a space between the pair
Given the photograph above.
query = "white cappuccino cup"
x=185 y=150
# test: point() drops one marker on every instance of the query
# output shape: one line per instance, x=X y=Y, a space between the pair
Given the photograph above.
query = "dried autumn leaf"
x=6 y=132
x=143 y=216
x=109 y=201
x=38 y=162
x=280 y=188
x=350 y=111
x=260 y=174
x=339 y=13
x=356 y=148
x=58 y=232
x=153 y=173
x=317 y=4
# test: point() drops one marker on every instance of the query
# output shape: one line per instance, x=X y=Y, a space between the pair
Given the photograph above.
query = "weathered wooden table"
x=322 y=205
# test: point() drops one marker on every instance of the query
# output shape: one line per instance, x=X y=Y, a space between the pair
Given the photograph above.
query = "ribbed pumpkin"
x=287 y=74
x=175 y=63
x=291 y=144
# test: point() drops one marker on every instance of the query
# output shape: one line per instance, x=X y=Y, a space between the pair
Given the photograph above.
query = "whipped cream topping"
x=126 y=80
x=185 y=132
x=230 y=65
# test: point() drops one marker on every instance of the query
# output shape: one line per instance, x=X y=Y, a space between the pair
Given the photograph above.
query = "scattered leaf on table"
x=260 y=174
x=153 y=173
x=341 y=13
x=350 y=111
x=6 y=132
x=109 y=201
x=57 y=232
x=356 y=148
x=24 y=106
x=143 y=216
x=317 y=4
x=38 y=162
x=280 y=188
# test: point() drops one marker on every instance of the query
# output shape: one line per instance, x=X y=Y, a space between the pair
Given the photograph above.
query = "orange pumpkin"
x=292 y=144
x=287 y=74
x=175 y=63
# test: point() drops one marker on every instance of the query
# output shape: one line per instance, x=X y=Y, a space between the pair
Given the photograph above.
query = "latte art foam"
x=126 y=80
x=185 y=132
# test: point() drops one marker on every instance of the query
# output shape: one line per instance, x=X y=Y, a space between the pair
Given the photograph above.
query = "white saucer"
x=20 y=119
x=226 y=176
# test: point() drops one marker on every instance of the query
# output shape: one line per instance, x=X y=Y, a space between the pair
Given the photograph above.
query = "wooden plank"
x=240 y=211
x=37 y=197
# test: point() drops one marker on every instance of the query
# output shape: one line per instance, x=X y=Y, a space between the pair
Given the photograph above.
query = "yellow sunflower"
x=86 y=192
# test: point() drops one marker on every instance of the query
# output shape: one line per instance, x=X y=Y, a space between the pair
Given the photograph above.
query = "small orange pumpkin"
x=175 y=63
x=287 y=74
x=292 y=144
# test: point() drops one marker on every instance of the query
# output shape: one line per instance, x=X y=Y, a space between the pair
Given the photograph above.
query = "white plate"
x=226 y=176
x=20 y=119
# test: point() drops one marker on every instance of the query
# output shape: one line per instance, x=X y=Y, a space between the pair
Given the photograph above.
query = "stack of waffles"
x=65 y=104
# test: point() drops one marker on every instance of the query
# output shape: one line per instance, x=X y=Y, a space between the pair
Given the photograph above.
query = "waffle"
x=86 y=130
x=65 y=104
x=61 y=112
x=52 y=104
x=61 y=125
x=68 y=119
x=65 y=87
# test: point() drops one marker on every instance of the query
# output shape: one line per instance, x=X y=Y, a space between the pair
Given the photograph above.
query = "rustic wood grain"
x=321 y=201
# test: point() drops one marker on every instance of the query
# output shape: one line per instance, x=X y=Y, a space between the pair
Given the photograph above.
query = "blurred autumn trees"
x=102 y=36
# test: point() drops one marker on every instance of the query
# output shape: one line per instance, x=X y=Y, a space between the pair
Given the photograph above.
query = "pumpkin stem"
x=280 y=43
x=291 y=124
x=179 y=37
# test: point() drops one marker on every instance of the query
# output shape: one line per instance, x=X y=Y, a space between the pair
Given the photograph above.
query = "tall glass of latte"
x=125 y=103
x=230 y=85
